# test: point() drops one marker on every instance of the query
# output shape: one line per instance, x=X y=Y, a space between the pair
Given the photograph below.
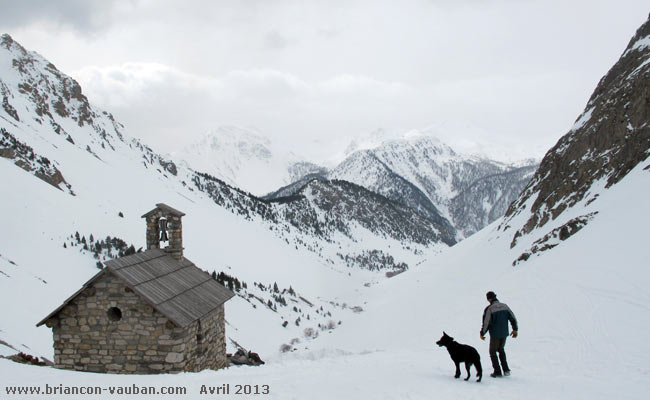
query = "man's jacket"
x=495 y=319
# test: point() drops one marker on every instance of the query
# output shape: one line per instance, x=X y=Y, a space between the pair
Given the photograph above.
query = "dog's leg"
x=479 y=371
x=457 y=370
x=467 y=365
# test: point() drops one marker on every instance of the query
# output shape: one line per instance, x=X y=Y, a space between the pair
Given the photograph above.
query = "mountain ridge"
x=437 y=176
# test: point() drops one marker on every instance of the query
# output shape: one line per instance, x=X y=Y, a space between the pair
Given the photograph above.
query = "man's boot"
x=495 y=365
x=504 y=363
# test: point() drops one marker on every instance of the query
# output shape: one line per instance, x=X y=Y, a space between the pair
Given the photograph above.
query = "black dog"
x=462 y=353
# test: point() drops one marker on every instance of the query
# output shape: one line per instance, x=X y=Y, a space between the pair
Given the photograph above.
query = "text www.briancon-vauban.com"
x=94 y=390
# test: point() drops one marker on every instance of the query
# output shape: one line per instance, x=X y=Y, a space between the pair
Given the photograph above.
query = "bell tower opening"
x=164 y=226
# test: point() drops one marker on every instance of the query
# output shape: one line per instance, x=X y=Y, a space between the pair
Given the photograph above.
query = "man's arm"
x=513 y=320
x=487 y=314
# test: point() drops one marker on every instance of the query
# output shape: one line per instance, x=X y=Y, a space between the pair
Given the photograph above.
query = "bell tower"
x=164 y=226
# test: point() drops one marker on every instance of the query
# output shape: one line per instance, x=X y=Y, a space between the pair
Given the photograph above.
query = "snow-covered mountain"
x=422 y=172
x=71 y=172
x=464 y=137
x=414 y=168
x=245 y=158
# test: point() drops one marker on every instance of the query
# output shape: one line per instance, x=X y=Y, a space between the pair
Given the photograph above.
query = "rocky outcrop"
x=24 y=157
x=51 y=99
x=609 y=138
x=556 y=236
x=49 y=90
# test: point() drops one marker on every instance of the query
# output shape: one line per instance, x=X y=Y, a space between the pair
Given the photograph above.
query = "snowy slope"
x=575 y=305
x=582 y=311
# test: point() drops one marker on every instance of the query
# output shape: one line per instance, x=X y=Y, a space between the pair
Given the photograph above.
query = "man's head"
x=491 y=296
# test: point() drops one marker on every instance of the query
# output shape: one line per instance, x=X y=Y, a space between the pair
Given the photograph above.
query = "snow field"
x=582 y=308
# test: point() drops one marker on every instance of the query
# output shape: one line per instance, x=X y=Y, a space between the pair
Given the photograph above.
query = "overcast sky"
x=313 y=74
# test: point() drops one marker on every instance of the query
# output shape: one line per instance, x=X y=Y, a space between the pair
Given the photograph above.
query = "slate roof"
x=179 y=290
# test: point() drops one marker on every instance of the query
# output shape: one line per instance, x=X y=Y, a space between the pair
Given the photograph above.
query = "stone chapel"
x=147 y=313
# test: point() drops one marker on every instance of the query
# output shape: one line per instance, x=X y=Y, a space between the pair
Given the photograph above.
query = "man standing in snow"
x=495 y=320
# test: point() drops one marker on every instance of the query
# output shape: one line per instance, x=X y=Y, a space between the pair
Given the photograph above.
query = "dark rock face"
x=499 y=190
x=607 y=141
x=169 y=166
x=291 y=189
x=556 y=236
x=24 y=157
x=350 y=202
x=9 y=109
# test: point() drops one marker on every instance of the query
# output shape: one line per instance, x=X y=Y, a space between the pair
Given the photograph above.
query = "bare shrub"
x=310 y=333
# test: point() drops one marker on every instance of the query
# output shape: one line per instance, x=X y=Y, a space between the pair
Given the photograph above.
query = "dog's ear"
x=444 y=334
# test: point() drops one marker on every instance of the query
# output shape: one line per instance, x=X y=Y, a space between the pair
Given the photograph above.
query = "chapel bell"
x=163 y=230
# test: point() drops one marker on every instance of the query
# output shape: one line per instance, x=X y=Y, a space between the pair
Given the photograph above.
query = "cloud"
x=355 y=85
x=165 y=105
x=171 y=108
x=312 y=71
x=78 y=15
x=275 y=40
x=264 y=83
